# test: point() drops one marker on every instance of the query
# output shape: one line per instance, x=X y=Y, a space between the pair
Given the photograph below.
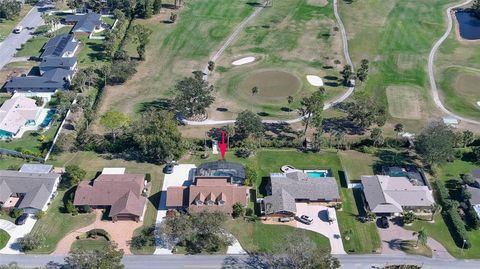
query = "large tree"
x=142 y=36
x=476 y=8
x=300 y=252
x=366 y=111
x=157 y=137
x=110 y=257
x=73 y=175
x=435 y=143
x=311 y=110
x=114 y=121
x=193 y=95
x=248 y=124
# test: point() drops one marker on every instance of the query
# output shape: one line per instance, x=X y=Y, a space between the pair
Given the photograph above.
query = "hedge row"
x=99 y=232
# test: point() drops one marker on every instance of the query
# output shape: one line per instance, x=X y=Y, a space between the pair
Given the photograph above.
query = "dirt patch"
x=404 y=102
x=271 y=85
x=320 y=3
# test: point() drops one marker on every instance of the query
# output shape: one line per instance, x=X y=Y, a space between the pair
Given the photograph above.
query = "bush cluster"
x=99 y=232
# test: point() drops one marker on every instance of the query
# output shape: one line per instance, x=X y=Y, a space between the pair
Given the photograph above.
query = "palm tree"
x=421 y=237
x=322 y=90
x=290 y=101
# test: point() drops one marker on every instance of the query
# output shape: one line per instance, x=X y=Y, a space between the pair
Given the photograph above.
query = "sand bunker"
x=478 y=103
x=245 y=60
x=315 y=80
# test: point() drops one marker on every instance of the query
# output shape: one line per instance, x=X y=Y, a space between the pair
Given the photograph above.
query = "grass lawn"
x=6 y=26
x=4 y=237
x=33 y=46
x=364 y=239
x=396 y=37
x=56 y=224
x=7 y=217
x=90 y=244
x=30 y=141
x=408 y=246
x=257 y=237
x=91 y=52
x=357 y=163
x=94 y=163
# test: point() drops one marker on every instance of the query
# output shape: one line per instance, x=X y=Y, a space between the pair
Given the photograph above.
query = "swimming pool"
x=317 y=173
x=48 y=119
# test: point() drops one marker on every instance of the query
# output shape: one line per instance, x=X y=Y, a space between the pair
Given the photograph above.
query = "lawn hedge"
x=99 y=232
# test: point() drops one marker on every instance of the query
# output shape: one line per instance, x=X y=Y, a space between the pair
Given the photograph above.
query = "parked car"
x=284 y=219
x=384 y=222
x=22 y=219
x=17 y=30
x=168 y=169
x=304 y=219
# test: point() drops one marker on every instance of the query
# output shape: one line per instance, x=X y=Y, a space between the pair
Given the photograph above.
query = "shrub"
x=139 y=241
x=238 y=210
x=457 y=228
x=86 y=209
x=148 y=177
x=31 y=241
x=98 y=232
x=408 y=217
x=40 y=214
x=16 y=212
x=250 y=174
x=249 y=212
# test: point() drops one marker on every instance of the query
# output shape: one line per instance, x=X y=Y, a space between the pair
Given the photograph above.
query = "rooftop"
x=17 y=111
x=85 y=23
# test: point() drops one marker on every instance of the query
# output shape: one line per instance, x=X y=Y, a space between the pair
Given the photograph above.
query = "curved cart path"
x=431 y=72
x=235 y=34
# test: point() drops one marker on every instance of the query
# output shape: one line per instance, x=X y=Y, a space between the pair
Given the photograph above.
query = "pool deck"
x=41 y=118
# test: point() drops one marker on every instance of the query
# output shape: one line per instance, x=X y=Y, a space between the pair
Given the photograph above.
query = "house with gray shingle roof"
x=85 y=24
x=60 y=46
x=393 y=195
x=29 y=191
x=286 y=189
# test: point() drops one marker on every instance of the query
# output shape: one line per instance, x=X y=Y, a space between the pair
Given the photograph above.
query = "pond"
x=469 y=25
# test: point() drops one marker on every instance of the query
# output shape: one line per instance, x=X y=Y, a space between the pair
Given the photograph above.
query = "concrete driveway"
x=30 y=22
x=182 y=176
x=321 y=225
x=394 y=234
x=15 y=232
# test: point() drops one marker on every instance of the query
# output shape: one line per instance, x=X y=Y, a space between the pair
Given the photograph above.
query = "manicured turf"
x=364 y=239
x=411 y=247
x=6 y=26
x=90 y=244
x=56 y=224
x=4 y=237
x=396 y=36
x=94 y=163
x=404 y=102
x=257 y=237
x=357 y=163
x=459 y=87
x=91 y=52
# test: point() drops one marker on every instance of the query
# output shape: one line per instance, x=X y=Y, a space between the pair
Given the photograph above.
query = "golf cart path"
x=235 y=34
x=431 y=72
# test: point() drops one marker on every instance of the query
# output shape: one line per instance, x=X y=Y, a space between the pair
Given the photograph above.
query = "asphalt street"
x=9 y=46
x=244 y=261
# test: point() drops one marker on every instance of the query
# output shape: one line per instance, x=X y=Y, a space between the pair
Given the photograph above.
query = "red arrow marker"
x=223 y=146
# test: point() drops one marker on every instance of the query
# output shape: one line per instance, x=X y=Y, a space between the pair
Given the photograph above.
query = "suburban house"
x=121 y=194
x=32 y=191
x=385 y=195
x=208 y=194
x=474 y=190
x=16 y=113
x=62 y=46
x=286 y=189
x=85 y=24
x=235 y=171
x=57 y=68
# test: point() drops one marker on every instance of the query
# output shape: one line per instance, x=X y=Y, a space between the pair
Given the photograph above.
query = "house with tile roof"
x=208 y=194
x=30 y=191
x=286 y=189
x=121 y=194
x=16 y=113
x=385 y=195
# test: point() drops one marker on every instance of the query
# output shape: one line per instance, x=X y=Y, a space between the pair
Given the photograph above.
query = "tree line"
x=132 y=8
x=10 y=9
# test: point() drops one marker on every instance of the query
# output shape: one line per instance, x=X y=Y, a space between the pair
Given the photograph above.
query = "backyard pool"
x=48 y=119
x=317 y=173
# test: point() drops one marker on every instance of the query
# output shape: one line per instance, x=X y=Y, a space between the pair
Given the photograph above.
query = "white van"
x=331 y=214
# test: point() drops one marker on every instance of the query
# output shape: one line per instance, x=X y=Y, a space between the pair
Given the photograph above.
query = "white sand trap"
x=315 y=80
x=245 y=60
x=478 y=103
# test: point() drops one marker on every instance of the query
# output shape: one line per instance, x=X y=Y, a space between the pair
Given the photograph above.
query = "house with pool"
x=293 y=186
x=16 y=114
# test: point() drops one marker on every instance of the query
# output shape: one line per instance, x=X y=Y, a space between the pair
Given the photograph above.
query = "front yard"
x=6 y=26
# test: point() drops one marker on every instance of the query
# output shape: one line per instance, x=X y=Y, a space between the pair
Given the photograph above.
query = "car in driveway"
x=304 y=219
x=22 y=219
x=168 y=169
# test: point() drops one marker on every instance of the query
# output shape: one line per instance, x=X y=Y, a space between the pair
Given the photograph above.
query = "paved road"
x=431 y=71
x=237 y=32
x=9 y=46
x=244 y=261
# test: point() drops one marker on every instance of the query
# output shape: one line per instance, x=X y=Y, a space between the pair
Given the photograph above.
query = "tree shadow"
x=331 y=78
x=342 y=125
x=159 y=104
x=389 y=158
x=262 y=188
x=155 y=199
x=332 y=84
x=280 y=130
x=328 y=67
x=263 y=114
x=254 y=4
x=286 y=109
x=221 y=109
